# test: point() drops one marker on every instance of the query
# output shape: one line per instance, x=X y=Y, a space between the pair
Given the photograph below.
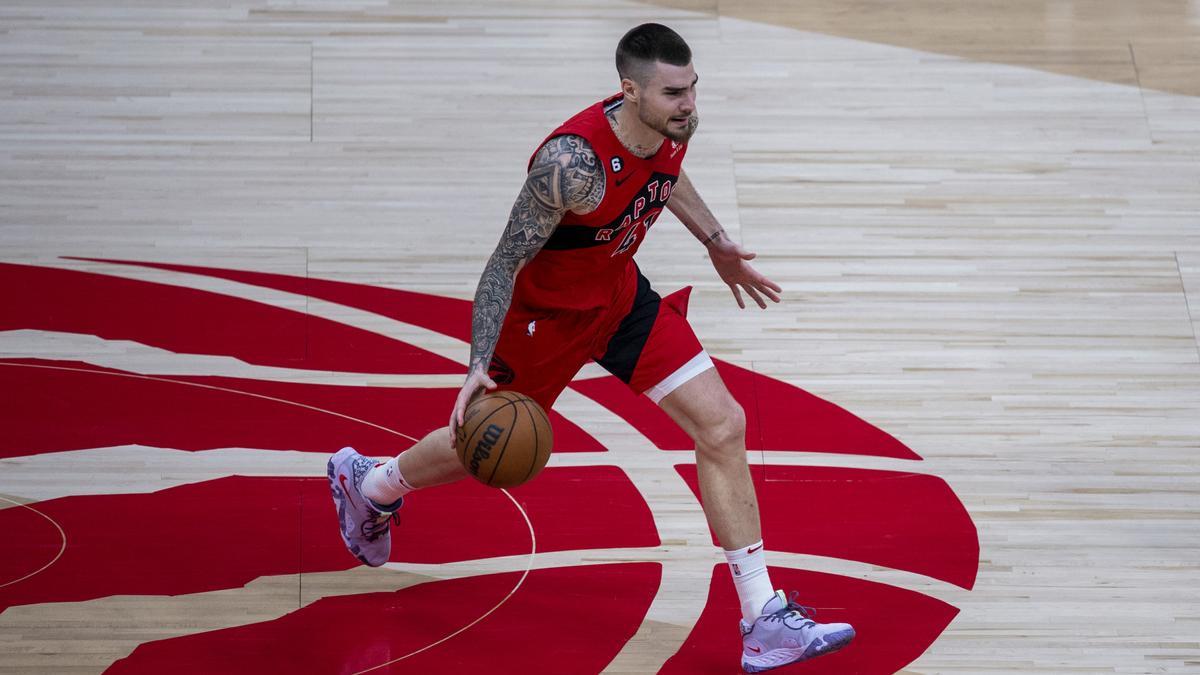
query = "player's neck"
x=637 y=138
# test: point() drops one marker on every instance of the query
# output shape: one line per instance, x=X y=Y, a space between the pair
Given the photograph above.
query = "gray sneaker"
x=366 y=527
x=785 y=633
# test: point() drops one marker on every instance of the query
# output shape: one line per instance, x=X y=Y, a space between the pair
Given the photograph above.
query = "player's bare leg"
x=705 y=409
x=776 y=630
x=431 y=461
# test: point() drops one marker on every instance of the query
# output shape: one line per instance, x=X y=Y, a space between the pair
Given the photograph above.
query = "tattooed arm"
x=565 y=175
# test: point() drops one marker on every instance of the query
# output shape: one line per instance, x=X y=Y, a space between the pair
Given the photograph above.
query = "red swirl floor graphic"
x=227 y=532
x=565 y=620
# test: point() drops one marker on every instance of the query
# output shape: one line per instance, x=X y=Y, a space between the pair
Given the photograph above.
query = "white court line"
x=61 y=549
x=144 y=468
x=672 y=555
x=756 y=458
x=528 y=566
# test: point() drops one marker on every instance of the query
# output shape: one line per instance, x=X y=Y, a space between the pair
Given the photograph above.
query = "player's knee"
x=724 y=433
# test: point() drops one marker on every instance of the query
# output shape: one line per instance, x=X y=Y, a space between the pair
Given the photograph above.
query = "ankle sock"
x=748 y=566
x=384 y=485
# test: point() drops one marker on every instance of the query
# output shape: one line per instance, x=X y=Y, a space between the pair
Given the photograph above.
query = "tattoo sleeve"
x=565 y=175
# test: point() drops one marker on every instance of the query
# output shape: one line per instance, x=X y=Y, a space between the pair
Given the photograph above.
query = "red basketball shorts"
x=648 y=344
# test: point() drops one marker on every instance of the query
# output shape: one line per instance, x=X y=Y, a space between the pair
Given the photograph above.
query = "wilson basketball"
x=505 y=439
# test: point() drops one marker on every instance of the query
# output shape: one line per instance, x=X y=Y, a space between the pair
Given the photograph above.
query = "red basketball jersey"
x=588 y=262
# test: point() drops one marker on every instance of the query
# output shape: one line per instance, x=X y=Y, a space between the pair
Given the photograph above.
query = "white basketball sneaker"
x=785 y=633
x=366 y=528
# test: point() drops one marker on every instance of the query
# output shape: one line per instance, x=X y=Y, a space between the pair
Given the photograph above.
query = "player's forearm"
x=492 y=298
x=695 y=215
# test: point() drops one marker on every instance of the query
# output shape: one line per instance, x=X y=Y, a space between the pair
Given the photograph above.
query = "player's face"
x=667 y=103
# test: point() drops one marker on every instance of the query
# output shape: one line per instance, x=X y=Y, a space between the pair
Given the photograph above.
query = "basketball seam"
x=467 y=446
x=500 y=457
x=534 y=455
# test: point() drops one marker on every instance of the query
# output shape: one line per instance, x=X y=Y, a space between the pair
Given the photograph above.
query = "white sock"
x=384 y=485
x=748 y=566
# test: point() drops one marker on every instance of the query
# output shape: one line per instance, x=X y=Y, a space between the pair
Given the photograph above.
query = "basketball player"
x=562 y=288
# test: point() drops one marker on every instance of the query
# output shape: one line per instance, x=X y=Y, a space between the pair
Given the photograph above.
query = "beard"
x=673 y=131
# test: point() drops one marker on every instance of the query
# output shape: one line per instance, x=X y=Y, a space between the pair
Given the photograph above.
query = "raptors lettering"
x=642 y=210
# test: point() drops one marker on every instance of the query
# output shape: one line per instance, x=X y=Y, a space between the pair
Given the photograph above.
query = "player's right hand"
x=477 y=381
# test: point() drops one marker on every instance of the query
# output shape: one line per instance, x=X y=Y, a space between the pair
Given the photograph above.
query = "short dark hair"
x=647 y=43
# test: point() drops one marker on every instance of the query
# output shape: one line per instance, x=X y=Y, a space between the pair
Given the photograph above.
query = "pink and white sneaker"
x=786 y=633
x=366 y=527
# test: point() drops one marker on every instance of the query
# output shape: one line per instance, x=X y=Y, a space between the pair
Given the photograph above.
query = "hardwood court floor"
x=985 y=216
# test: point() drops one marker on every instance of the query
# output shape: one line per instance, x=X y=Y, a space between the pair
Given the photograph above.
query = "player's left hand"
x=730 y=261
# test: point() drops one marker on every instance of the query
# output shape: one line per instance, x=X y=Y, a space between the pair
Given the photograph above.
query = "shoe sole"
x=832 y=643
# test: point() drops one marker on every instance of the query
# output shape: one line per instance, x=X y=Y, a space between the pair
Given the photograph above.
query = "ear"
x=631 y=90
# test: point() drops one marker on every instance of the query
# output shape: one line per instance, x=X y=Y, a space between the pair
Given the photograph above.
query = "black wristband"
x=713 y=237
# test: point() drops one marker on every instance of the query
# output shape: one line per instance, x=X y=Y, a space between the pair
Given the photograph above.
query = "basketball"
x=505 y=439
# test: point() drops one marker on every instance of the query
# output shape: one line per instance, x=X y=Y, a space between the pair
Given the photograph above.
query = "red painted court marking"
x=214 y=387
x=905 y=521
x=53 y=560
x=103 y=412
x=226 y=532
x=199 y=322
x=532 y=534
x=524 y=575
x=566 y=620
x=448 y=316
x=110 y=411
x=780 y=417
